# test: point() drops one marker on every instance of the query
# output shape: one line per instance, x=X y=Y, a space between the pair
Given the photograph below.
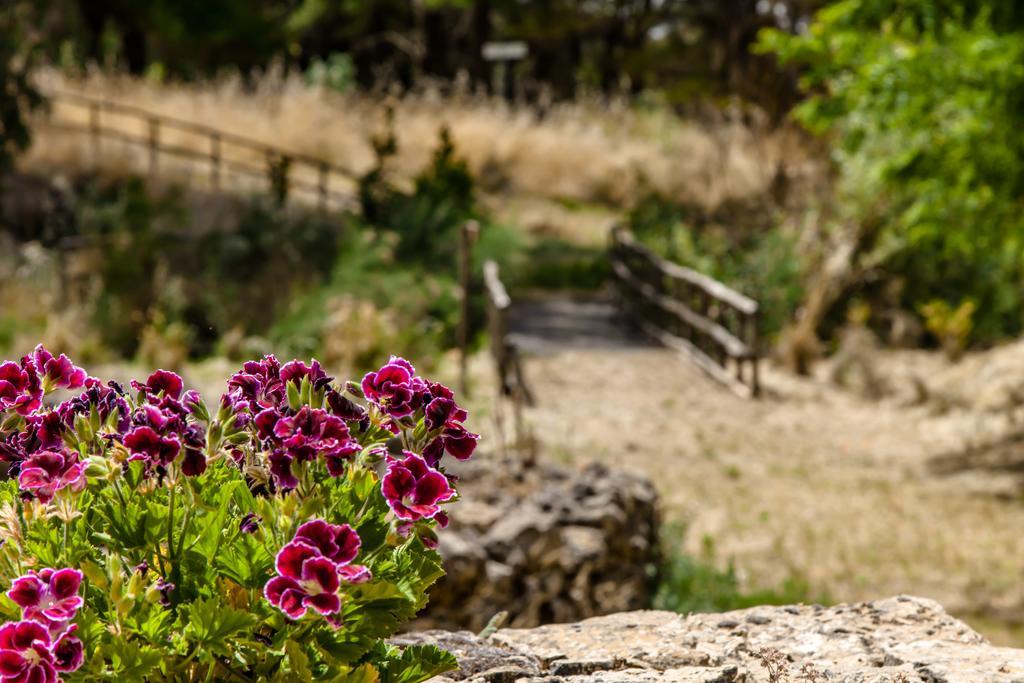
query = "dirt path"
x=810 y=482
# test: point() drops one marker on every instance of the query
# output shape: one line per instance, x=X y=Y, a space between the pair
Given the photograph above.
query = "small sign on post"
x=504 y=54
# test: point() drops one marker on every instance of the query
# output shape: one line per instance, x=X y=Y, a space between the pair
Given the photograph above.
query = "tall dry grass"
x=579 y=152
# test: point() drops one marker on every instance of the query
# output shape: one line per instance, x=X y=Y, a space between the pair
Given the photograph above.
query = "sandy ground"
x=811 y=481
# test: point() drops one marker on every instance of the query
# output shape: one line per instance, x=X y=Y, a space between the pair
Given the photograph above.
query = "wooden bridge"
x=713 y=325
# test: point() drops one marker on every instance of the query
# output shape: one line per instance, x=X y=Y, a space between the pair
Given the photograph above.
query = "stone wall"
x=545 y=544
x=896 y=640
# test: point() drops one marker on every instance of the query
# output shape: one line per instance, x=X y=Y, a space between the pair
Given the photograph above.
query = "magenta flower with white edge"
x=19 y=387
x=295 y=371
x=312 y=567
x=395 y=388
x=258 y=384
x=47 y=472
x=312 y=432
x=413 y=490
x=25 y=654
x=49 y=596
x=56 y=372
x=306 y=580
x=161 y=382
x=143 y=443
x=68 y=653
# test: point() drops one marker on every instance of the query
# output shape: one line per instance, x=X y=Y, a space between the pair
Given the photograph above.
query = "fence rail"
x=685 y=310
x=284 y=171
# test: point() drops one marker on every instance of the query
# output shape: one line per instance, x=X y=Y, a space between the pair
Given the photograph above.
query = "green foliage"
x=426 y=221
x=697 y=584
x=174 y=582
x=923 y=102
x=18 y=97
x=760 y=261
x=335 y=73
x=951 y=326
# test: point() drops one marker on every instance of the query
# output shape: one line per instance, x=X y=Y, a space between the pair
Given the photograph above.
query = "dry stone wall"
x=545 y=544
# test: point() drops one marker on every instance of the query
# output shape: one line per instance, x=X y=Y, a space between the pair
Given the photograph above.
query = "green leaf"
x=130 y=661
x=298 y=662
x=417 y=663
x=213 y=626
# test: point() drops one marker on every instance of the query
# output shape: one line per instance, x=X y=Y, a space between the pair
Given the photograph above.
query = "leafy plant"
x=281 y=536
x=922 y=103
x=951 y=326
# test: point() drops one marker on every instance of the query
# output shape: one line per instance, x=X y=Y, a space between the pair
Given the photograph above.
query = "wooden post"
x=467 y=236
x=154 y=147
x=215 y=160
x=752 y=341
x=94 y=132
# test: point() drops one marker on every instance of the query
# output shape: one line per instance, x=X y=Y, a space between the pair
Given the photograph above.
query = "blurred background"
x=802 y=341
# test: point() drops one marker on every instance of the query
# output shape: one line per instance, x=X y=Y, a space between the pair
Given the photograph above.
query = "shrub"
x=282 y=535
x=922 y=104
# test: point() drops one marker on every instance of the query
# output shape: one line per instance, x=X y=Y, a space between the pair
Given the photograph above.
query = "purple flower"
x=162 y=381
x=306 y=579
x=394 y=388
x=47 y=472
x=194 y=462
x=312 y=432
x=108 y=401
x=338 y=543
x=48 y=429
x=165 y=588
x=443 y=412
x=68 y=653
x=295 y=371
x=19 y=387
x=56 y=372
x=348 y=411
x=259 y=383
x=250 y=523
x=311 y=568
x=281 y=470
x=413 y=489
x=459 y=442
x=49 y=597
x=25 y=655
x=145 y=444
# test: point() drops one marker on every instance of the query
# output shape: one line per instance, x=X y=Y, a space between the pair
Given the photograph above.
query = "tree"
x=17 y=96
x=923 y=102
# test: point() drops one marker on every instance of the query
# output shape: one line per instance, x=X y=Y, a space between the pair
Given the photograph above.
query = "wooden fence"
x=686 y=310
x=504 y=352
x=217 y=152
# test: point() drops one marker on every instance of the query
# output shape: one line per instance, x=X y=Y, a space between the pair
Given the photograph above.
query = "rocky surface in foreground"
x=893 y=640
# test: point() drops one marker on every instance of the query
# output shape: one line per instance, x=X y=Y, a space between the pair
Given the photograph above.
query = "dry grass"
x=811 y=481
x=582 y=152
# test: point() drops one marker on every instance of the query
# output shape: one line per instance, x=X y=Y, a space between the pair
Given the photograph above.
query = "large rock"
x=901 y=639
x=545 y=544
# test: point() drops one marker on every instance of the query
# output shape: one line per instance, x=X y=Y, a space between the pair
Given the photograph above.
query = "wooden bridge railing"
x=504 y=352
x=220 y=152
x=689 y=311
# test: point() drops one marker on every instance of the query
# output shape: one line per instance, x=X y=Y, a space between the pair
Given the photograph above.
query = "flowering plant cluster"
x=282 y=534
